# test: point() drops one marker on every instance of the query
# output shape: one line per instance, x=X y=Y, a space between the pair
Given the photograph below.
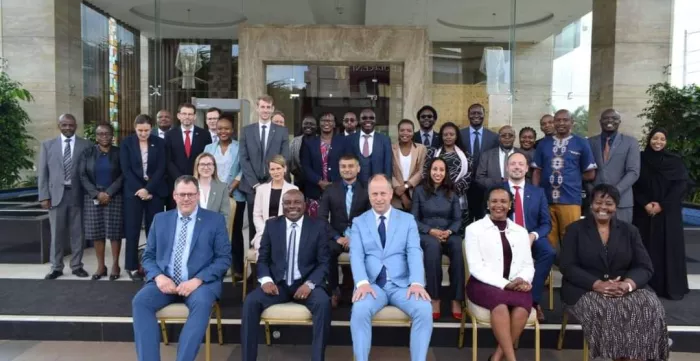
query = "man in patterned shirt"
x=562 y=162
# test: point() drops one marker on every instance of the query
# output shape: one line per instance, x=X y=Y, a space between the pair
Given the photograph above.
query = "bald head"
x=380 y=193
x=610 y=121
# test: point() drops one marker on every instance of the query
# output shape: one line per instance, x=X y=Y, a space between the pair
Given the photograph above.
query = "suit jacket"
x=488 y=174
x=380 y=159
x=252 y=164
x=87 y=171
x=312 y=163
x=314 y=256
x=132 y=167
x=621 y=169
x=154 y=131
x=178 y=163
x=536 y=211
x=236 y=172
x=489 y=140
x=583 y=259
x=436 y=142
x=210 y=248
x=436 y=211
x=261 y=210
x=51 y=178
x=418 y=153
x=218 y=199
x=333 y=203
x=402 y=255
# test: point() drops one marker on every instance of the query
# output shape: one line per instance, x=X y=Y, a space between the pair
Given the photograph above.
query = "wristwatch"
x=405 y=185
x=312 y=285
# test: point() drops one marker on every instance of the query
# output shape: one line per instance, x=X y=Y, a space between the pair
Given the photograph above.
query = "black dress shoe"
x=53 y=275
x=135 y=276
x=97 y=276
x=115 y=275
x=80 y=273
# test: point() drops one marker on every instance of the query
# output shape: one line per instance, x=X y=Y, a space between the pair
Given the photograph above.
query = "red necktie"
x=188 y=143
x=519 y=220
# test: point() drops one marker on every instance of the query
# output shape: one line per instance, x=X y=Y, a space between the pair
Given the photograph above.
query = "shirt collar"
x=371 y=135
x=520 y=184
x=63 y=138
x=424 y=133
x=346 y=184
x=386 y=214
x=262 y=122
x=192 y=216
x=348 y=134
x=472 y=130
x=298 y=222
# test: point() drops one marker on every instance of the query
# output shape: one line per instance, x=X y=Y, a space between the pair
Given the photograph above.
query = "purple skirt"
x=489 y=297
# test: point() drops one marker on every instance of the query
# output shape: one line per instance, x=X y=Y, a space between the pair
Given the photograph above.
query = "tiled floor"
x=120 y=351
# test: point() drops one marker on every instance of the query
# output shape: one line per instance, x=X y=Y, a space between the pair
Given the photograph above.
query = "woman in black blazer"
x=605 y=268
x=101 y=179
x=439 y=216
x=143 y=164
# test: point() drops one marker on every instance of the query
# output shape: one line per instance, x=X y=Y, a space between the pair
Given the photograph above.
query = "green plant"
x=89 y=132
x=15 y=153
x=580 y=117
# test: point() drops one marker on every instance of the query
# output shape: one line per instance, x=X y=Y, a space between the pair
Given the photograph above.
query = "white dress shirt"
x=161 y=133
x=72 y=146
x=521 y=191
x=405 y=165
x=370 y=140
x=348 y=134
x=502 y=156
x=297 y=274
x=191 y=129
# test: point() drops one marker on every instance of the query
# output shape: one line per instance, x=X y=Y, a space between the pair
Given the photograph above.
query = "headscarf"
x=670 y=166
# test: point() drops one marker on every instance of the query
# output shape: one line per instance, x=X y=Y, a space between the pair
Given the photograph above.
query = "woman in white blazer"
x=213 y=193
x=501 y=268
x=268 y=197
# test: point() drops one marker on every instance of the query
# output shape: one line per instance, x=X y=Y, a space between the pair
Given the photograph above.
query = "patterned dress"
x=312 y=204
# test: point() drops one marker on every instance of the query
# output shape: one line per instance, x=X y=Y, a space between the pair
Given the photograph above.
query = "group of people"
x=395 y=208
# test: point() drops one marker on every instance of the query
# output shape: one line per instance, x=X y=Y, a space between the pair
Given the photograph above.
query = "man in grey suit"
x=60 y=193
x=259 y=142
x=493 y=164
x=617 y=156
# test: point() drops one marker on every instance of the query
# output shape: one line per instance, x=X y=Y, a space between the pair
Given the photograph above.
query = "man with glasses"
x=186 y=258
x=494 y=162
x=213 y=114
x=427 y=116
x=349 y=123
x=371 y=148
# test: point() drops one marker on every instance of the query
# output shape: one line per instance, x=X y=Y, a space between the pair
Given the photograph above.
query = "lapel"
x=527 y=195
x=177 y=138
x=305 y=229
x=596 y=145
x=371 y=224
x=152 y=155
x=195 y=135
x=212 y=194
x=615 y=145
x=254 y=133
x=394 y=221
x=197 y=230
x=171 y=223
x=396 y=155
x=614 y=239
x=375 y=144
x=58 y=149
x=414 y=159
x=270 y=135
x=594 y=237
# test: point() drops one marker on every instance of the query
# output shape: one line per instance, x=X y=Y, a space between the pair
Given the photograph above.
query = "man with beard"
x=164 y=121
x=494 y=162
x=308 y=129
x=618 y=160
x=546 y=126
x=427 y=116
x=349 y=123
x=371 y=148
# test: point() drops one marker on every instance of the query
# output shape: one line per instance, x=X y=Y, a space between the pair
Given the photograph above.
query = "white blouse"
x=405 y=165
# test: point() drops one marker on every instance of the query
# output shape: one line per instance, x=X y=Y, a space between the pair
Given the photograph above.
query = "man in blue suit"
x=187 y=255
x=372 y=148
x=531 y=211
x=292 y=266
x=387 y=263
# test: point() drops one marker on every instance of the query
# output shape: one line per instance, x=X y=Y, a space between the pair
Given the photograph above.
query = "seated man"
x=343 y=200
x=187 y=255
x=387 y=260
x=293 y=265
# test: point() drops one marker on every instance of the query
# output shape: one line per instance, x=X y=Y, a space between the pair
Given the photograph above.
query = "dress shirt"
x=502 y=156
x=267 y=132
x=370 y=140
x=204 y=196
x=188 y=243
x=297 y=274
x=348 y=134
x=429 y=134
x=161 y=133
x=223 y=162
x=191 y=129
x=72 y=147
x=214 y=136
x=480 y=131
x=520 y=184
x=405 y=165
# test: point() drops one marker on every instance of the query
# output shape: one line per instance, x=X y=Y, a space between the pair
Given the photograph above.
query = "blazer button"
x=606 y=276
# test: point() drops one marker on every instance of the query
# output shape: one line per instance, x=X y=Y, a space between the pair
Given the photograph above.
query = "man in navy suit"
x=531 y=210
x=427 y=116
x=292 y=266
x=187 y=255
x=372 y=148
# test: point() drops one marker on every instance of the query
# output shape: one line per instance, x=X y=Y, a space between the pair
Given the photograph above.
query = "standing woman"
x=213 y=194
x=407 y=167
x=658 y=194
x=458 y=162
x=142 y=158
x=101 y=178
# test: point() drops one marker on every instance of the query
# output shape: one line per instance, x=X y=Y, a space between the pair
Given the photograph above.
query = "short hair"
x=568 y=113
x=67 y=116
x=405 y=121
x=199 y=158
x=105 y=125
x=458 y=140
x=474 y=106
x=368 y=110
x=277 y=112
x=325 y=114
x=346 y=113
x=379 y=176
x=349 y=156
x=495 y=188
x=277 y=159
x=266 y=98
x=186 y=105
x=544 y=116
x=214 y=109
x=226 y=118
x=514 y=153
x=527 y=129
x=427 y=107
x=603 y=190
x=507 y=126
x=143 y=119
x=186 y=179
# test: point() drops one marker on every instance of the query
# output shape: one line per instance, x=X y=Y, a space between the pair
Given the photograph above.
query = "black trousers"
x=257 y=301
x=250 y=200
x=237 y=248
x=333 y=276
x=433 y=250
x=135 y=212
x=477 y=205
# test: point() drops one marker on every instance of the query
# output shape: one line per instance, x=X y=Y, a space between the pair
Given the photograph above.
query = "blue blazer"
x=210 y=249
x=311 y=163
x=379 y=161
x=314 y=255
x=536 y=209
x=132 y=168
x=402 y=256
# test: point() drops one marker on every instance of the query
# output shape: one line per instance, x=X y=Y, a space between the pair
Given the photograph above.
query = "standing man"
x=292 y=266
x=562 y=162
x=477 y=140
x=213 y=114
x=186 y=258
x=427 y=116
x=60 y=192
x=492 y=169
x=260 y=142
x=309 y=128
x=618 y=160
x=531 y=212
x=371 y=148
x=182 y=146
x=164 y=122
x=349 y=123
x=387 y=263
x=547 y=127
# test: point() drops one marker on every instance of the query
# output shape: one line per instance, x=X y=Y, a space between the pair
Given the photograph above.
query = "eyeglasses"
x=365 y=117
x=349 y=120
x=206 y=165
x=187 y=195
x=426 y=116
x=327 y=120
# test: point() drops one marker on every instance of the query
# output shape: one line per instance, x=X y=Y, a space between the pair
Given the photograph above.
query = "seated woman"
x=213 y=193
x=500 y=263
x=268 y=197
x=605 y=268
x=439 y=215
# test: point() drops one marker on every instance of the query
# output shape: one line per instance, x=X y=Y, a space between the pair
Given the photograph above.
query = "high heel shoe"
x=115 y=276
x=436 y=316
x=457 y=316
x=97 y=276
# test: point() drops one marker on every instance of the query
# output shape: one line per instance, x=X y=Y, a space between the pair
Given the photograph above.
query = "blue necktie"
x=180 y=250
x=348 y=200
x=381 y=278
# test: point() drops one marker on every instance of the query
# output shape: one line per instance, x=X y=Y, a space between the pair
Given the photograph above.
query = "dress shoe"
x=457 y=316
x=53 y=275
x=99 y=275
x=436 y=316
x=135 y=276
x=80 y=273
x=540 y=314
x=115 y=275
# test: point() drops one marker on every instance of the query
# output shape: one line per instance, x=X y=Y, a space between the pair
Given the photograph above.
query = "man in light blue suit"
x=387 y=263
x=187 y=255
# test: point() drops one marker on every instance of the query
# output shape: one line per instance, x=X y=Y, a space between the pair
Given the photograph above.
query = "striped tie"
x=291 y=261
x=180 y=250
x=67 y=162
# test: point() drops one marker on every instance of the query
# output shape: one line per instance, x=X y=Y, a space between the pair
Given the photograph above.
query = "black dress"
x=274 y=206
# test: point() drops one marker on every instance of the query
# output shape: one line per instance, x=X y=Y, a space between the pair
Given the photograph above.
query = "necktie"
x=365 y=147
x=348 y=200
x=291 y=261
x=180 y=250
x=381 y=278
x=426 y=139
x=214 y=138
x=476 y=147
x=67 y=162
x=606 y=149
x=519 y=219
x=505 y=165
x=263 y=136
x=188 y=143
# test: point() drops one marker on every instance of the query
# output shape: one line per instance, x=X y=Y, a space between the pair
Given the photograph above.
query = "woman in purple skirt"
x=500 y=263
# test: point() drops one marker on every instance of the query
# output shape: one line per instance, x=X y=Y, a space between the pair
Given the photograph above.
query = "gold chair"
x=560 y=341
x=180 y=312
x=250 y=260
x=551 y=290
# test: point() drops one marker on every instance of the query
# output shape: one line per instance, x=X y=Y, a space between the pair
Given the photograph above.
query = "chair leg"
x=585 y=349
x=207 y=344
x=474 y=339
x=163 y=332
x=268 y=340
x=564 y=321
x=219 y=327
x=537 y=341
x=551 y=290
x=245 y=277
x=462 y=327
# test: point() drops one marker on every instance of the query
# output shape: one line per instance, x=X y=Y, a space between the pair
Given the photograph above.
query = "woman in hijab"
x=658 y=193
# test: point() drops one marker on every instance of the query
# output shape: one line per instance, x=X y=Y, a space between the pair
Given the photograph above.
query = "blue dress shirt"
x=188 y=244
